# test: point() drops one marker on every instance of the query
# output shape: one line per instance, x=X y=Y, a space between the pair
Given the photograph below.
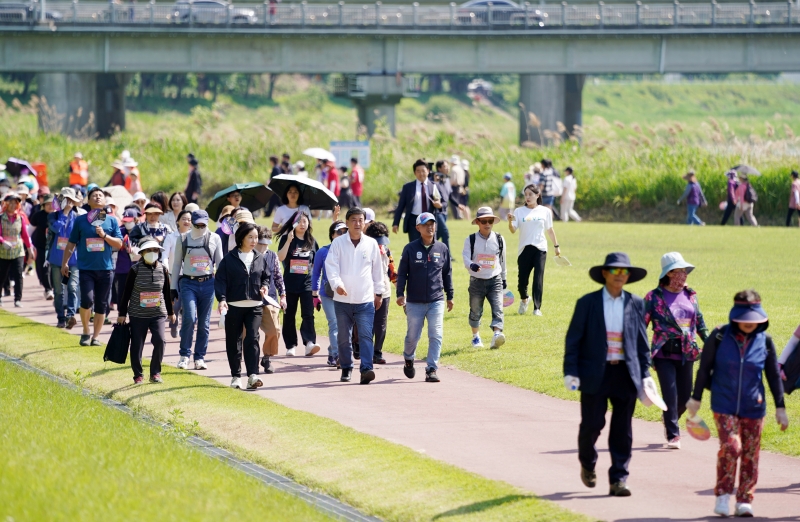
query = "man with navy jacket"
x=426 y=273
x=607 y=358
x=416 y=197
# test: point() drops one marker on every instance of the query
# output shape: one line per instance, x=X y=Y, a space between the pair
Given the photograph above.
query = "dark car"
x=212 y=12
x=503 y=12
x=16 y=12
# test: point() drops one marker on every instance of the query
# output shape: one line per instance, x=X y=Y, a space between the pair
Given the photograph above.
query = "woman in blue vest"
x=58 y=230
x=734 y=358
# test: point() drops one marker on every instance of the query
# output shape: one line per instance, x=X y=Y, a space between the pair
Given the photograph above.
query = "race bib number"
x=486 y=261
x=61 y=244
x=199 y=263
x=95 y=244
x=298 y=266
x=150 y=299
x=615 y=351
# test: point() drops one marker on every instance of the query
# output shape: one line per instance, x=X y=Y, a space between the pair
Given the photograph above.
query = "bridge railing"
x=214 y=13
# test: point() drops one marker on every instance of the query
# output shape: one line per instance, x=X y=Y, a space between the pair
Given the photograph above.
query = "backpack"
x=750 y=195
x=472 y=245
x=185 y=245
x=715 y=337
x=792 y=370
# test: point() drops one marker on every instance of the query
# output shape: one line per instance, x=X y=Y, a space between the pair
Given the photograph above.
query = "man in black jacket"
x=194 y=186
x=425 y=270
x=416 y=198
x=607 y=358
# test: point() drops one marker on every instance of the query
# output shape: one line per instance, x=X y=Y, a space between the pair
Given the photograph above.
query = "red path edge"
x=495 y=430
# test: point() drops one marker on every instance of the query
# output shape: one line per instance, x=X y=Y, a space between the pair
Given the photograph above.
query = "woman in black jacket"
x=241 y=281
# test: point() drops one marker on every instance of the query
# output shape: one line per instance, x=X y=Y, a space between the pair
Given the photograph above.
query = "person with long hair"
x=175 y=205
x=322 y=292
x=673 y=309
x=296 y=250
x=160 y=197
x=240 y=285
x=533 y=221
x=292 y=200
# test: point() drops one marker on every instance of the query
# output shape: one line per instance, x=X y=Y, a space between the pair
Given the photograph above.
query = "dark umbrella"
x=747 y=170
x=15 y=166
x=255 y=195
x=313 y=194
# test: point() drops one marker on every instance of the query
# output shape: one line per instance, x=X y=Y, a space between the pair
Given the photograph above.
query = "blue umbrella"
x=255 y=195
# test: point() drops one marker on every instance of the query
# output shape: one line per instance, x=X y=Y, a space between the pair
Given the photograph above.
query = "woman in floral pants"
x=739 y=353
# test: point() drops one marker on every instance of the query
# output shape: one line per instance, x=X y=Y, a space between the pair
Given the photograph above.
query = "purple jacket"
x=732 y=190
x=693 y=194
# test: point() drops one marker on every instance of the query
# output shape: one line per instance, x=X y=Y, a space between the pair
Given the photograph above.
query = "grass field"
x=66 y=456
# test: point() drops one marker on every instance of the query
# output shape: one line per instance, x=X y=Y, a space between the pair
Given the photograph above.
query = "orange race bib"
x=95 y=244
x=298 y=266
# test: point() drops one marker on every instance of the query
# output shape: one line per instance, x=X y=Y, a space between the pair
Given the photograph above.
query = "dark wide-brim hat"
x=617 y=260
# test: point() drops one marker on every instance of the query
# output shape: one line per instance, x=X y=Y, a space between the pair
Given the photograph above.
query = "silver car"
x=212 y=12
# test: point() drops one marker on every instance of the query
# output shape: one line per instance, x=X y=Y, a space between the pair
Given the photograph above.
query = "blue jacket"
x=318 y=275
x=586 y=346
x=59 y=227
x=426 y=271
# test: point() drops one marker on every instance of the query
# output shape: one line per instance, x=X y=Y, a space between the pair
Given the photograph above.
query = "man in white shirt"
x=355 y=273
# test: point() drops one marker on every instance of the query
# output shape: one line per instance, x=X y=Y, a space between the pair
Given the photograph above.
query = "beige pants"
x=745 y=209
x=271 y=326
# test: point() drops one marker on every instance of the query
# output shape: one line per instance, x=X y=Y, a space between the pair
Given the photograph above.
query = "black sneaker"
x=331 y=360
x=589 y=478
x=61 y=324
x=409 y=370
x=430 y=375
x=85 y=340
x=619 y=489
x=266 y=365
x=357 y=355
x=378 y=360
x=95 y=342
x=367 y=377
x=347 y=374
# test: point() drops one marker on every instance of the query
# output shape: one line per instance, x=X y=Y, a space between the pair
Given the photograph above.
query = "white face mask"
x=197 y=233
x=150 y=257
x=129 y=225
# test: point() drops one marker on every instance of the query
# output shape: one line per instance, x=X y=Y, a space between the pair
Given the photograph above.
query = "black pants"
x=789 y=216
x=307 y=331
x=118 y=287
x=413 y=234
x=11 y=270
x=617 y=387
x=531 y=259
x=728 y=211
x=379 y=327
x=675 y=378
x=249 y=318
x=139 y=328
x=41 y=272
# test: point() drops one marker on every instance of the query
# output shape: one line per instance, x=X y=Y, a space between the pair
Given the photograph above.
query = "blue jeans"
x=691 y=215
x=64 y=310
x=363 y=315
x=416 y=313
x=333 y=330
x=197 y=299
x=442 y=233
x=548 y=201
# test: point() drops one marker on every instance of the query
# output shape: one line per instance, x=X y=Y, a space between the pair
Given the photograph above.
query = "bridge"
x=84 y=50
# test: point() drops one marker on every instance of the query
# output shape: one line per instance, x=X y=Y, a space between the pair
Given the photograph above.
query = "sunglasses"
x=340 y=232
x=199 y=227
x=486 y=221
x=619 y=271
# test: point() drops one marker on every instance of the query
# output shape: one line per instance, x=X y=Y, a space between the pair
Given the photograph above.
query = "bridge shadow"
x=478 y=507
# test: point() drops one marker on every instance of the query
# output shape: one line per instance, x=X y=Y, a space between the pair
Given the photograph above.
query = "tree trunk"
x=272 y=78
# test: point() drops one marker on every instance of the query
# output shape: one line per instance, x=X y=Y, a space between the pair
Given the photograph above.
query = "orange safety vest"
x=79 y=173
x=129 y=180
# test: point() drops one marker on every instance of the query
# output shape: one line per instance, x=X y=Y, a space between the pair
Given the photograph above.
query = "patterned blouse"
x=665 y=326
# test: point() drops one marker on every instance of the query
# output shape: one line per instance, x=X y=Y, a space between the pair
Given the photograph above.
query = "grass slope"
x=68 y=457
x=381 y=478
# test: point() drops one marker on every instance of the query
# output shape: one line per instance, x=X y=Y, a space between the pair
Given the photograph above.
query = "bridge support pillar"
x=372 y=109
x=547 y=100
x=82 y=105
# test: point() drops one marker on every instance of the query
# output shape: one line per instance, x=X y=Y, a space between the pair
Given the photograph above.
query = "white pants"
x=746 y=210
x=567 y=211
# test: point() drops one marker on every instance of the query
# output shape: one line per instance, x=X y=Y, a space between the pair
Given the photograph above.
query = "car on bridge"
x=212 y=12
x=499 y=12
x=15 y=12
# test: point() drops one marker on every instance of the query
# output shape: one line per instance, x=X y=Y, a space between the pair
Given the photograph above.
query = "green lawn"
x=65 y=456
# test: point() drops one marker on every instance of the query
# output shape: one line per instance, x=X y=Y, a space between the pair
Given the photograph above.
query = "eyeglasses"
x=619 y=271
x=199 y=227
x=486 y=221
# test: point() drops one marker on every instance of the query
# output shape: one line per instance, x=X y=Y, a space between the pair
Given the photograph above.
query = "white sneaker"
x=476 y=342
x=183 y=363
x=498 y=340
x=254 y=382
x=523 y=306
x=236 y=382
x=722 y=506
x=674 y=443
x=537 y=312
x=744 y=509
x=311 y=349
x=49 y=295
x=200 y=364
x=290 y=352
x=18 y=304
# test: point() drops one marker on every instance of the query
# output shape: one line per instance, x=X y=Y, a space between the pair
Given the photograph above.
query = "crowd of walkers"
x=157 y=263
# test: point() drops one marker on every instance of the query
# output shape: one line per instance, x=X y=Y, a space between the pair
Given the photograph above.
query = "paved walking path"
x=499 y=431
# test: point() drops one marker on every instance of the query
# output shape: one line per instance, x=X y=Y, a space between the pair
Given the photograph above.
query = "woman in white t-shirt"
x=292 y=202
x=532 y=220
x=570 y=186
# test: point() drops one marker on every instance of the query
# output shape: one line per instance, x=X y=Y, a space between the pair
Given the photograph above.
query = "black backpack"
x=185 y=245
x=792 y=371
x=750 y=195
x=472 y=245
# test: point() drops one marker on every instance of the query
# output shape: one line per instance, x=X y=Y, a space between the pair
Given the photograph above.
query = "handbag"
x=119 y=344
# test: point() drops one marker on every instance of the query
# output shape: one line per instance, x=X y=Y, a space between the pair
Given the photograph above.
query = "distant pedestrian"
x=447 y=198
x=607 y=358
x=274 y=200
x=508 y=196
x=146 y=300
x=380 y=233
x=550 y=184
x=533 y=221
x=794 y=198
x=356 y=180
x=194 y=185
x=457 y=181
x=424 y=280
x=568 y=195
x=735 y=358
x=677 y=322
x=730 y=194
x=177 y=203
x=694 y=197
x=274 y=301
x=300 y=169
x=416 y=197
x=151 y=226
x=39 y=221
x=14 y=244
x=746 y=198
x=484 y=256
x=322 y=293
x=463 y=198
x=78 y=171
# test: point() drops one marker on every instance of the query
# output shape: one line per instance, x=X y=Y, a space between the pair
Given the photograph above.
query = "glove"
x=782 y=418
x=46 y=264
x=475 y=267
x=692 y=406
x=173 y=294
x=317 y=303
x=504 y=284
x=572 y=383
x=648 y=384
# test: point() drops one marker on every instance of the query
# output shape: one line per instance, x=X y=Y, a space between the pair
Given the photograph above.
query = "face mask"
x=129 y=225
x=150 y=257
x=197 y=233
x=677 y=279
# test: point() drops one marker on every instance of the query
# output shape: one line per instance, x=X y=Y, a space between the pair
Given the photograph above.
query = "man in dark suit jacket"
x=416 y=197
x=607 y=358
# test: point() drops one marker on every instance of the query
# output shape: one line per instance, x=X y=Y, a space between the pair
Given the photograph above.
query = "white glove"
x=692 y=407
x=648 y=384
x=782 y=418
x=572 y=383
